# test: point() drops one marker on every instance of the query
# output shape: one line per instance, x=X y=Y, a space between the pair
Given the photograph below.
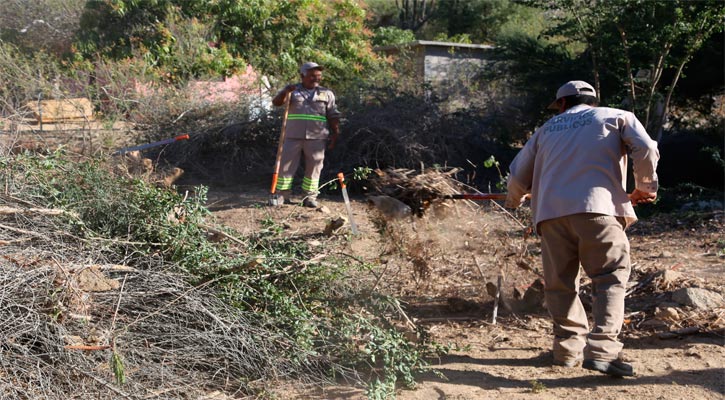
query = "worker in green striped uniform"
x=313 y=124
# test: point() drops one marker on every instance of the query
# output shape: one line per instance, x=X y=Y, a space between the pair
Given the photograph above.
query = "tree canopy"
x=635 y=52
x=640 y=45
x=218 y=37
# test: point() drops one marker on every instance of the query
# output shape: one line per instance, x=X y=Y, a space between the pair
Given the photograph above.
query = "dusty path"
x=510 y=360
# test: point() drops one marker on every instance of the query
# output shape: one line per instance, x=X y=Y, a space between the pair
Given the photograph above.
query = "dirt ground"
x=439 y=266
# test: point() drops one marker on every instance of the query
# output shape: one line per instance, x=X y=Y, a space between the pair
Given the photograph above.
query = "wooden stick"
x=496 y=299
x=102 y=382
x=220 y=232
x=480 y=271
x=9 y=242
x=23 y=231
x=42 y=211
x=680 y=332
x=404 y=315
x=86 y=347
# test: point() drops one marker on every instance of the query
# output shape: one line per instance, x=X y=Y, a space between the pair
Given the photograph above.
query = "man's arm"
x=278 y=100
x=333 y=119
x=521 y=174
x=334 y=132
x=644 y=155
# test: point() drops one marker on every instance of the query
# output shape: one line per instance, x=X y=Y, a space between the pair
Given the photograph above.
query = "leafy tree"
x=380 y=13
x=389 y=35
x=118 y=28
x=464 y=21
x=276 y=35
x=646 y=45
x=414 y=14
x=526 y=71
x=479 y=19
x=273 y=35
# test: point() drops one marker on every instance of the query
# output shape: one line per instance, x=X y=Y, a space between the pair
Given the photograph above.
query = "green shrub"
x=321 y=305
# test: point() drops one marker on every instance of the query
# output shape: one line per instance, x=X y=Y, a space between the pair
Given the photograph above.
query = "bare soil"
x=439 y=266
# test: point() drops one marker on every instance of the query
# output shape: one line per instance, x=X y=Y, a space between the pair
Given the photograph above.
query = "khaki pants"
x=599 y=243
x=314 y=153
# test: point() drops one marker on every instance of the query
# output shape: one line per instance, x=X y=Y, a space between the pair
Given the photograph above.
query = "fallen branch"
x=219 y=232
x=22 y=231
x=497 y=298
x=691 y=330
x=40 y=211
x=643 y=283
x=86 y=347
x=404 y=315
x=104 y=383
x=11 y=242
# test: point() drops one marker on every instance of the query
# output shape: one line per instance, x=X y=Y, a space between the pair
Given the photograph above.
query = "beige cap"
x=572 y=88
x=308 y=66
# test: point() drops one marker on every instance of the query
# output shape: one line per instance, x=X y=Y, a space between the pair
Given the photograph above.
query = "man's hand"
x=514 y=203
x=640 y=197
x=280 y=98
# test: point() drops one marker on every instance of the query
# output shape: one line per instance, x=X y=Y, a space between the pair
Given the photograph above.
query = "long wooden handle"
x=282 y=135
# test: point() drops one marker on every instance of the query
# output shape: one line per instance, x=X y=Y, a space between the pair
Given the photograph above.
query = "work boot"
x=284 y=197
x=310 y=202
x=616 y=368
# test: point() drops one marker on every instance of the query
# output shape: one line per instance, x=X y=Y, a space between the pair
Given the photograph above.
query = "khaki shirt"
x=309 y=113
x=577 y=163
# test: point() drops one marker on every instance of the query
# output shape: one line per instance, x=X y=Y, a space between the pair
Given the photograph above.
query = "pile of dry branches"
x=418 y=189
x=406 y=129
x=230 y=145
x=76 y=323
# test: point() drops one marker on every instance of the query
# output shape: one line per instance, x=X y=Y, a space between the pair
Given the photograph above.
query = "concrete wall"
x=445 y=65
x=452 y=72
x=449 y=68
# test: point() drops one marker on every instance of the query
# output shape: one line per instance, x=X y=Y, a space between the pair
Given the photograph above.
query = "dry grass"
x=60 y=328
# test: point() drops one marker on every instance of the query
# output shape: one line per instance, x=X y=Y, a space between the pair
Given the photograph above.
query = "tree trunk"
x=625 y=44
x=697 y=43
x=655 y=79
x=661 y=123
x=595 y=72
x=592 y=48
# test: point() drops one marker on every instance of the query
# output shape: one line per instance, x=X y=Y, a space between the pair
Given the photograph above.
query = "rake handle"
x=477 y=196
x=282 y=135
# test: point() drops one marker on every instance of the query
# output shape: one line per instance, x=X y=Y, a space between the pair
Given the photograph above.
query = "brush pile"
x=74 y=320
x=418 y=189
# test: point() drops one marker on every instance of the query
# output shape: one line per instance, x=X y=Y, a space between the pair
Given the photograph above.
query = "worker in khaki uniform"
x=575 y=168
x=313 y=124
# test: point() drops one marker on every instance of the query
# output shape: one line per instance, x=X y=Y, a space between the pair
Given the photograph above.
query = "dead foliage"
x=134 y=165
x=407 y=129
x=418 y=189
x=74 y=320
x=650 y=293
x=228 y=144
